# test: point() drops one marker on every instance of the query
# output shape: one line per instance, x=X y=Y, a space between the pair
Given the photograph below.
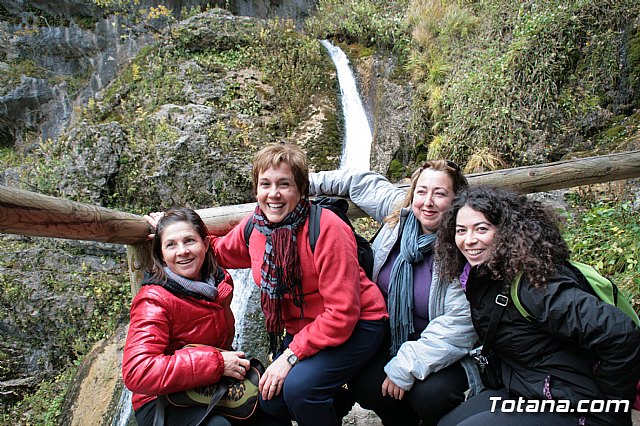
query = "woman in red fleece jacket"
x=186 y=301
x=325 y=318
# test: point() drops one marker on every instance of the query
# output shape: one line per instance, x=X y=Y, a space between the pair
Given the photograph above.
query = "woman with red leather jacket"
x=185 y=301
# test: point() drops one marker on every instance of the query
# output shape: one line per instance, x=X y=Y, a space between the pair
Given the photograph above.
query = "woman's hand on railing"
x=153 y=219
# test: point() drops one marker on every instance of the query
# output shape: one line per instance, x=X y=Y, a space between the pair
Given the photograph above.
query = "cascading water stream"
x=356 y=148
x=124 y=411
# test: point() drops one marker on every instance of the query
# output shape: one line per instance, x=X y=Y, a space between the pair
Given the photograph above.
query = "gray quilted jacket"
x=449 y=336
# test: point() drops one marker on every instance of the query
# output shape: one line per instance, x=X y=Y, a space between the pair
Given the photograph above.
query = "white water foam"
x=356 y=148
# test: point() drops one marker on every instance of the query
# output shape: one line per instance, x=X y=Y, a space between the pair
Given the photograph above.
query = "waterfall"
x=124 y=411
x=356 y=148
x=242 y=289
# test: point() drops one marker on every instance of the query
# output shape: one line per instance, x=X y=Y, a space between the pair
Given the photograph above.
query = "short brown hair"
x=272 y=155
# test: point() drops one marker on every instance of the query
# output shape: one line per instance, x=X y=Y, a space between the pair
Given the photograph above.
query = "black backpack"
x=339 y=206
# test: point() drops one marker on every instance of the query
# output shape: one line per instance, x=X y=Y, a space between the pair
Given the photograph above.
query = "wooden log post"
x=526 y=179
x=28 y=213
x=563 y=174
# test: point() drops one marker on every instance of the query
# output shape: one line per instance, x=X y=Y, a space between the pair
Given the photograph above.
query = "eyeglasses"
x=449 y=164
x=453 y=165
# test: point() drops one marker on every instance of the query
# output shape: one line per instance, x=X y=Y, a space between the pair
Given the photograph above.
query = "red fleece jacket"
x=337 y=293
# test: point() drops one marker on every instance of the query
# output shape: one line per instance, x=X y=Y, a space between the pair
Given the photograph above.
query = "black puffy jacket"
x=575 y=348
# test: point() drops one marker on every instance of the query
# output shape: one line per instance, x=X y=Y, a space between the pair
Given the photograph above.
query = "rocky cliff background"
x=142 y=110
x=143 y=106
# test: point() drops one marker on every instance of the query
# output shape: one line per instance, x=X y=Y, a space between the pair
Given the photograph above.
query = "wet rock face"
x=388 y=105
x=48 y=296
x=57 y=54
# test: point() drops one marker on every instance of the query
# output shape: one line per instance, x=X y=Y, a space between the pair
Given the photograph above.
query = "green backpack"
x=600 y=286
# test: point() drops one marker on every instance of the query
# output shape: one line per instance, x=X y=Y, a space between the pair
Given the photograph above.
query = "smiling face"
x=474 y=235
x=432 y=196
x=277 y=192
x=183 y=250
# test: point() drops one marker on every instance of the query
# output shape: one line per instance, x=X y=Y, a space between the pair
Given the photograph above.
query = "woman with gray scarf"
x=422 y=372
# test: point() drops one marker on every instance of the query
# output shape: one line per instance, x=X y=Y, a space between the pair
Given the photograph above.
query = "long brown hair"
x=527 y=237
x=170 y=217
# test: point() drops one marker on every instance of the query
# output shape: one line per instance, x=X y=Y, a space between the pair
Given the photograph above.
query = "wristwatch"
x=291 y=358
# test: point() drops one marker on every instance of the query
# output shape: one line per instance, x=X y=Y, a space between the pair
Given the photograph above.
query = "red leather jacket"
x=162 y=323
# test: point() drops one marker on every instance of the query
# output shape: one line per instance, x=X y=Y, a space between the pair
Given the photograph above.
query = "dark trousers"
x=427 y=401
x=311 y=386
x=189 y=416
x=178 y=416
x=476 y=411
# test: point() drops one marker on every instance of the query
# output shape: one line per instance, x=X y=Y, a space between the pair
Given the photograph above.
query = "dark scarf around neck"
x=281 y=273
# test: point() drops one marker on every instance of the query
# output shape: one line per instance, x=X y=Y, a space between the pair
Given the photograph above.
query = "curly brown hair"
x=527 y=237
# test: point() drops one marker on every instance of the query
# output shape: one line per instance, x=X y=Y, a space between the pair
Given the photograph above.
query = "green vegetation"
x=496 y=84
x=604 y=233
x=38 y=274
x=500 y=82
x=19 y=68
x=365 y=22
x=44 y=405
x=245 y=82
x=513 y=80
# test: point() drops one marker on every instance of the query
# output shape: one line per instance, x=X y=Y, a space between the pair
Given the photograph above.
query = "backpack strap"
x=314 y=225
x=603 y=288
x=515 y=285
x=248 y=229
x=496 y=315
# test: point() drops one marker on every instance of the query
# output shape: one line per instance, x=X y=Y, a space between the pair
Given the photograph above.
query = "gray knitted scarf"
x=208 y=289
x=413 y=247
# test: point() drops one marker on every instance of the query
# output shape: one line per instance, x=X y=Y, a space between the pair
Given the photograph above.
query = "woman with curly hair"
x=575 y=350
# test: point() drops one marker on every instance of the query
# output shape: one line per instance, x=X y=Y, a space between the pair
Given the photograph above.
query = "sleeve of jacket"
x=339 y=287
x=225 y=296
x=231 y=250
x=370 y=191
x=594 y=327
x=446 y=339
x=146 y=369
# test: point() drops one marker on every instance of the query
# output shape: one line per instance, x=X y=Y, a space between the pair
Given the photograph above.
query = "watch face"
x=293 y=359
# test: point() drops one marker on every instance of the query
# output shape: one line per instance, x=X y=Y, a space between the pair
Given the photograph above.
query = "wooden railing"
x=33 y=214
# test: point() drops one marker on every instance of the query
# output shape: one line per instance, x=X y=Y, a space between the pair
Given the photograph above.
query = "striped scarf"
x=413 y=247
x=281 y=273
x=208 y=289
